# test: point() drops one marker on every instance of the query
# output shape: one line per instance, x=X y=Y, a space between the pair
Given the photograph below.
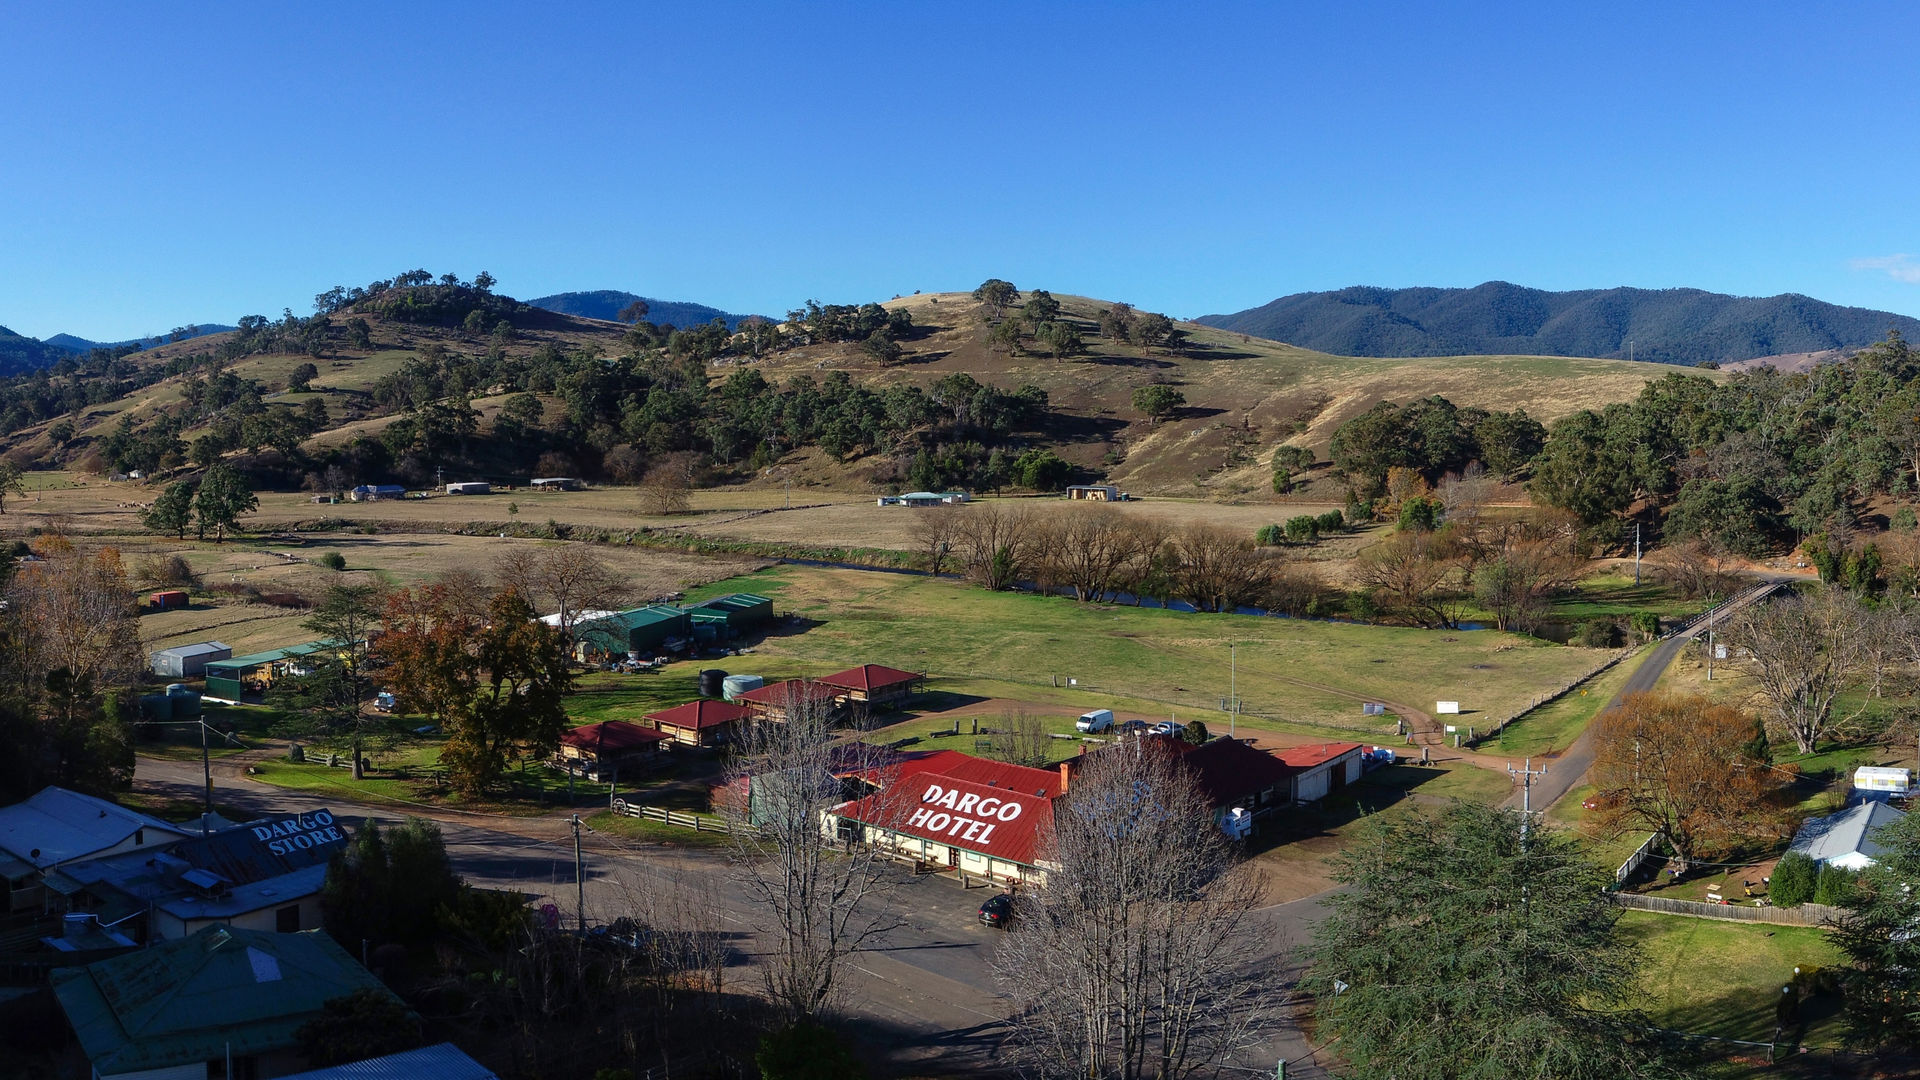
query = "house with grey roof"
x=57 y=826
x=1845 y=839
x=442 y=1061
x=184 y=1009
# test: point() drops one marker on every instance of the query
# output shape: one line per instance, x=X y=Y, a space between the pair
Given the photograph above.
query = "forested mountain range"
x=73 y=344
x=1669 y=326
x=608 y=303
x=20 y=354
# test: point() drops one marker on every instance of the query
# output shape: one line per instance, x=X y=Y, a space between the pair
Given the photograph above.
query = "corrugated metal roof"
x=997 y=822
x=1848 y=832
x=198 y=649
x=611 y=735
x=1306 y=757
x=699 y=715
x=870 y=677
x=260 y=658
x=65 y=825
x=442 y=1062
x=196 y=998
x=781 y=693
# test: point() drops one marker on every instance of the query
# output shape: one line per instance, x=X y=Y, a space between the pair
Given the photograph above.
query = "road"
x=1566 y=769
x=925 y=992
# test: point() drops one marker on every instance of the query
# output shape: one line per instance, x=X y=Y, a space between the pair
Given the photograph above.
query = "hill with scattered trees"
x=1001 y=387
x=1667 y=326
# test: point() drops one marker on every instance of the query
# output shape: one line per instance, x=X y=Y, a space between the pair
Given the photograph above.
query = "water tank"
x=734 y=685
x=157 y=706
x=710 y=682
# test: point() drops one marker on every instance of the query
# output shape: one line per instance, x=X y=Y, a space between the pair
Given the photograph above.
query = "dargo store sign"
x=298 y=833
x=961 y=815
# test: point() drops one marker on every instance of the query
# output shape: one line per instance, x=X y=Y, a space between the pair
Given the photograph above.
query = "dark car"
x=1131 y=727
x=997 y=911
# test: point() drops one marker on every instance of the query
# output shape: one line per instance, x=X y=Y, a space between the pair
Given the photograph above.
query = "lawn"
x=1614 y=595
x=1079 y=656
x=1555 y=725
x=657 y=832
x=1717 y=978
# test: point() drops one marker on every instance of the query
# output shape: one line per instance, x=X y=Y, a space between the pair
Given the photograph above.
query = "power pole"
x=206 y=769
x=1526 y=773
x=579 y=879
x=1711 y=609
x=1636 y=554
x=1233 y=718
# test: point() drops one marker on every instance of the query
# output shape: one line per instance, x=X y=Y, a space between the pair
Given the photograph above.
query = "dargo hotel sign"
x=961 y=815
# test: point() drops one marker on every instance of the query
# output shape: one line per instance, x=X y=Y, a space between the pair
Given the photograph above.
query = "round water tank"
x=711 y=680
x=734 y=685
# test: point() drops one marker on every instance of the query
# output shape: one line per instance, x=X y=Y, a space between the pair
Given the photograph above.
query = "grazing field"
x=1554 y=726
x=1722 y=979
x=1024 y=647
x=251 y=626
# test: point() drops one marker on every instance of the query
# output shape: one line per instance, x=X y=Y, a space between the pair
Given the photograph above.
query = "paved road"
x=1566 y=769
x=926 y=991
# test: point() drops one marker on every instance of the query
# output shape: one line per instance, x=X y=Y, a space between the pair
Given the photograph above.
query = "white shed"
x=187 y=661
x=470 y=487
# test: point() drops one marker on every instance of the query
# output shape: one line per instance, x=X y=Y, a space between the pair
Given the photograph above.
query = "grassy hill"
x=1244 y=395
x=1670 y=326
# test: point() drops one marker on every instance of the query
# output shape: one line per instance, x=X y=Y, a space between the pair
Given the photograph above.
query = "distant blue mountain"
x=74 y=344
x=1669 y=326
x=606 y=304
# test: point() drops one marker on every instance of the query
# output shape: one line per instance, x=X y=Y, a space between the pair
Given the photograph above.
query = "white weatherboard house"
x=1845 y=839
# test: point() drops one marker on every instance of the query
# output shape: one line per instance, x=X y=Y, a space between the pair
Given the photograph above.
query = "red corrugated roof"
x=1306 y=757
x=700 y=715
x=948 y=811
x=979 y=771
x=1229 y=770
x=782 y=692
x=614 y=735
x=869 y=677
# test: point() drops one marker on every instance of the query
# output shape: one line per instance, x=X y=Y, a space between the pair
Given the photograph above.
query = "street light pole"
x=1233 y=688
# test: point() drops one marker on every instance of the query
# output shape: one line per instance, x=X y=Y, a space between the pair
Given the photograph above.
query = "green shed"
x=652 y=629
x=255 y=673
x=732 y=615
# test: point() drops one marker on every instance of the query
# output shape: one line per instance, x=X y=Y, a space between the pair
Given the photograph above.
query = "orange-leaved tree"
x=1688 y=768
x=494 y=680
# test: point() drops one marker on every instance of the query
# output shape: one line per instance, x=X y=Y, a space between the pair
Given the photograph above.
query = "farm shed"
x=168 y=600
x=1094 y=492
x=700 y=723
x=645 y=631
x=187 y=661
x=735 y=614
x=556 y=483
x=924 y=498
x=1321 y=769
x=376 y=492
x=470 y=487
x=1845 y=839
x=602 y=750
x=874 y=685
x=255 y=673
x=263 y=875
x=775 y=700
x=176 y=1008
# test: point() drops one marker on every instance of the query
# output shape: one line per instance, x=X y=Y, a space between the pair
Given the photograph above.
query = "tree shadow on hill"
x=932 y=357
x=1204 y=353
x=933 y=701
x=790 y=626
x=1197 y=412
x=1067 y=427
x=1127 y=361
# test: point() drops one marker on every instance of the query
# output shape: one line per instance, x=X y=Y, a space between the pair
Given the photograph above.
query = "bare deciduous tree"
x=665 y=488
x=935 y=530
x=1219 y=570
x=1804 y=650
x=1465 y=496
x=1696 y=568
x=1127 y=961
x=72 y=610
x=570 y=579
x=994 y=542
x=1413 y=576
x=822 y=898
x=1680 y=766
x=1021 y=738
x=1096 y=548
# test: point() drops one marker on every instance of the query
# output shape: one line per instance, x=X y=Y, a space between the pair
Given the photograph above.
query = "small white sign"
x=1446 y=707
x=1451 y=729
x=1719 y=652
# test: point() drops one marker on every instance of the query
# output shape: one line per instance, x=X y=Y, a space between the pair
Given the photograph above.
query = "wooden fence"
x=1804 y=915
x=1640 y=855
x=696 y=822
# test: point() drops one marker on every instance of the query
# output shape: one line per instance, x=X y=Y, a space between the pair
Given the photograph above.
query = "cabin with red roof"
x=604 y=750
x=705 y=723
x=1321 y=769
x=774 y=700
x=874 y=685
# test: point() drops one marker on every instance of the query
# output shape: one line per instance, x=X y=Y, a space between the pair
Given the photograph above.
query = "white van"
x=1095 y=721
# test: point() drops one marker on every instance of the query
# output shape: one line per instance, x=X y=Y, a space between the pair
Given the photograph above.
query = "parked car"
x=1096 y=721
x=1130 y=727
x=997 y=912
x=1168 y=727
x=1601 y=800
x=384 y=701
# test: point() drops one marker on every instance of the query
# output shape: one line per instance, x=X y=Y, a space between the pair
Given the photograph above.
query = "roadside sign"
x=1446 y=707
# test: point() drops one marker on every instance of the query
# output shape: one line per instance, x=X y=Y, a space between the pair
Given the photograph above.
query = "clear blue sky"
x=161 y=164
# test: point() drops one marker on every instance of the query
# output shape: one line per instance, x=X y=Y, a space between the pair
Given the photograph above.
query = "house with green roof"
x=181 y=1010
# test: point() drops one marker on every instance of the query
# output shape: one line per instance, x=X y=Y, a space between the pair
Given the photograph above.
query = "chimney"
x=1066 y=775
